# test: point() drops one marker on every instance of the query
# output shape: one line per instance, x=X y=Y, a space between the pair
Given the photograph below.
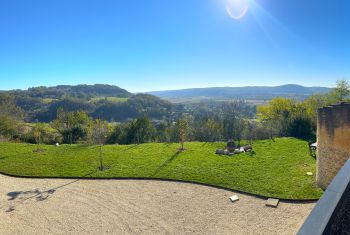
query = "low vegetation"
x=276 y=168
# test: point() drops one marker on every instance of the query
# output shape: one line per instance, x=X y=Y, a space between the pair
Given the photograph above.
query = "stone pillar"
x=333 y=141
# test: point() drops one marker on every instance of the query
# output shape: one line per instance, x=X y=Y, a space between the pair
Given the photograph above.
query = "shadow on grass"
x=20 y=197
x=3 y=158
x=69 y=147
x=131 y=147
x=166 y=163
x=75 y=146
x=252 y=153
x=167 y=144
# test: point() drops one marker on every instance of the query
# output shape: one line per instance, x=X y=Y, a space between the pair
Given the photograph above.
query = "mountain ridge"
x=245 y=92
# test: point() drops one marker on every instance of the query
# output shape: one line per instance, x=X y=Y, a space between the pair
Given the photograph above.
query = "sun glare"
x=237 y=9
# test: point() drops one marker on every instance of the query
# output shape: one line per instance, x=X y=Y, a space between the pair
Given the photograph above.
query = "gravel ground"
x=47 y=206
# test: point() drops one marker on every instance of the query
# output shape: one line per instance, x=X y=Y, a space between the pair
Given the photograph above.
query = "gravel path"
x=42 y=206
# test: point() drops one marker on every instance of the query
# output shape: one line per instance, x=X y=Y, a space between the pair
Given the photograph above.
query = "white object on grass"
x=309 y=173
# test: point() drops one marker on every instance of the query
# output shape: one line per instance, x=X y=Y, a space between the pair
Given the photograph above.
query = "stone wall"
x=333 y=141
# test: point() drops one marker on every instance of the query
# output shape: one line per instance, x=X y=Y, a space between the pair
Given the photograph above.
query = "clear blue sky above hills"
x=169 y=44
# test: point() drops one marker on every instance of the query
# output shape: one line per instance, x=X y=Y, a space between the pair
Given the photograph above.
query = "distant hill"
x=247 y=92
x=79 y=91
x=107 y=102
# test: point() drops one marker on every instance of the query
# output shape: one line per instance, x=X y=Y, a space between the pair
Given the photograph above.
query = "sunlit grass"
x=48 y=100
x=276 y=169
x=109 y=98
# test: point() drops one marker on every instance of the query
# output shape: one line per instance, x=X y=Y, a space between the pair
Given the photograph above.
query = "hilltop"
x=247 y=92
x=78 y=91
x=112 y=103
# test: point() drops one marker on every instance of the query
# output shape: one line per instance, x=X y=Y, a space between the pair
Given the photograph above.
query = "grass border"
x=311 y=200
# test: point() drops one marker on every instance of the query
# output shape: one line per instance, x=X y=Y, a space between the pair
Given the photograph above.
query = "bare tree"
x=182 y=128
x=98 y=136
x=37 y=133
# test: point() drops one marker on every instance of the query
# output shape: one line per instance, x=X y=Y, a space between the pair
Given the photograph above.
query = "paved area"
x=42 y=206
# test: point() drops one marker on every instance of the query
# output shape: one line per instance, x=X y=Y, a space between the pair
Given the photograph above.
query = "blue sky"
x=169 y=44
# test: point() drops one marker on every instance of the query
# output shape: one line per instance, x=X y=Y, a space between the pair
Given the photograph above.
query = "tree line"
x=288 y=117
x=207 y=122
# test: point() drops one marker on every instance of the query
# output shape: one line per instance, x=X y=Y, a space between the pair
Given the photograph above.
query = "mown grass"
x=275 y=169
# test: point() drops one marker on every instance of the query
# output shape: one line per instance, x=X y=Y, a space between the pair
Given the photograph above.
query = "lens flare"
x=237 y=9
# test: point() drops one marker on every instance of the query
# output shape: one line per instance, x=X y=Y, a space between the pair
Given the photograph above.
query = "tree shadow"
x=66 y=148
x=19 y=197
x=10 y=209
x=167 y=144
x=131 y=147
x=251 y=153
x=166 y=163
x=26 y=195
x=80 y=146
x=3 y=158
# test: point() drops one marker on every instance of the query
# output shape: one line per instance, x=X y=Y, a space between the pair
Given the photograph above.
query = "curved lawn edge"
x=288 y=200
x=272 y=171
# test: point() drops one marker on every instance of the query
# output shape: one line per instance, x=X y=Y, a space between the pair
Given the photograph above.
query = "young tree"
x=182 y=128
x=238 y=128
x=38 y=133
x=99 y=136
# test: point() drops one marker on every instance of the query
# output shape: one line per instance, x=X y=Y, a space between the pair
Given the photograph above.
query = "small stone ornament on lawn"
x=248 y=148
x=232 y=150
x=230 y=146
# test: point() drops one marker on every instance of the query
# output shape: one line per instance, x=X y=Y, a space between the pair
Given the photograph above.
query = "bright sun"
x=237 y=9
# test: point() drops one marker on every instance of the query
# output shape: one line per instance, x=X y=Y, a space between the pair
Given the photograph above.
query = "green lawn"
x=276 y=169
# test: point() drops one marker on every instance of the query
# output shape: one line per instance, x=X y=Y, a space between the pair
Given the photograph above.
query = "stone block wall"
x=333 y=141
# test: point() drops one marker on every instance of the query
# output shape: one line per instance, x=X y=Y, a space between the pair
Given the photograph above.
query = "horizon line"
x=161 y=90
